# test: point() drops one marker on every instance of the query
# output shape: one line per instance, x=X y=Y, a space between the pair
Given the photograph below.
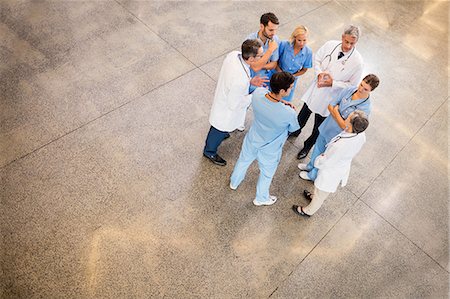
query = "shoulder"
x=231 y=59
x=259 y=92
x=276 y=38
x=308 y=50
x=350 y=89
x=286 y=112
x=284 y=44
x=232 y=55
x=347 y=91
x=361 y=137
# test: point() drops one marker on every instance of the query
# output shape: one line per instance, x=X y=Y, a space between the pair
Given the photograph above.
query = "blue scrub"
x=273 y=57
x=264 y=141
x=330 y=128
x=291 y=63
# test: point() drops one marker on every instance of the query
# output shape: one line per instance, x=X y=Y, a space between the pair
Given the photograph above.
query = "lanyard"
x=349 y=98
x=336 y=138
x=245 y=70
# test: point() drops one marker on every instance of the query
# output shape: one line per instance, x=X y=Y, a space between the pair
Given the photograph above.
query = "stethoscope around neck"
x=331 y=53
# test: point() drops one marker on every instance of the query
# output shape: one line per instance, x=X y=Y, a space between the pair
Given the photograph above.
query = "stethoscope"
x=335 y=139
x=349 y=98
x=343 y=61
x=245 y=70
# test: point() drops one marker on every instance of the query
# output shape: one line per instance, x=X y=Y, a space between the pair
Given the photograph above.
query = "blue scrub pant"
x=267 y=163
x=319 y=148
x=213 y=140
x=291 y=95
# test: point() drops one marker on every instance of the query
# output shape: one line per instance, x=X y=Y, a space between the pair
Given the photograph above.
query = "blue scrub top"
x=271 y=123
x=273 y=57
x=289 y=62
x=330 y=128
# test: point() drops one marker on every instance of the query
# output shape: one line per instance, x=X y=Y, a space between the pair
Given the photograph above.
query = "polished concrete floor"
x=105 y=193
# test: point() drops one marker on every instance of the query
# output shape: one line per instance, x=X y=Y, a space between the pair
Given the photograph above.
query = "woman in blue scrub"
x=273 y=120
x=295 y=56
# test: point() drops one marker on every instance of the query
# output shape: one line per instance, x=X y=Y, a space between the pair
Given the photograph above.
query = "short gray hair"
x=353 y=31
x=250 y=48
x=359 y=121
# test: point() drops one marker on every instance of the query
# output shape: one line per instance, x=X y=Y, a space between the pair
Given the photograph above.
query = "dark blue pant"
x=302 y=118
x=213 y=140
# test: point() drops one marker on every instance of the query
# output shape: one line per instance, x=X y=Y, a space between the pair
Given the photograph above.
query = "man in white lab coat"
x=232 y=98
x=337 y=65
x=334 y=164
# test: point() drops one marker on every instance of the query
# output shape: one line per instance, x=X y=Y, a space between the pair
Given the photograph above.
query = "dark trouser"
x=302 y=118
x=213 y=140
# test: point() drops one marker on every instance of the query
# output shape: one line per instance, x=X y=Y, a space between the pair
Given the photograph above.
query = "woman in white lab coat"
x=334 y=164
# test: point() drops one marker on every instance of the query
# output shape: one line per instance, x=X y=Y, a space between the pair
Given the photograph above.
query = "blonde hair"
x=297 y=31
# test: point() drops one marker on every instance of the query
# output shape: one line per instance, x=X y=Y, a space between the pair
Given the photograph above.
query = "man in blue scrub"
x=295 y=56
x=350 y=99
x=273 y=119
x=267 y=34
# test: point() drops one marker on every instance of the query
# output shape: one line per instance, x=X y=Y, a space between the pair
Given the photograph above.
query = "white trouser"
x=318 y=198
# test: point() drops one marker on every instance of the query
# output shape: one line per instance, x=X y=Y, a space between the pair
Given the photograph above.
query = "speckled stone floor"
x=104 y=191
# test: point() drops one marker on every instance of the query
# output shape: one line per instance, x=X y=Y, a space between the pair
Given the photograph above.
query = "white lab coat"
x=344 y=75
x=334 y=164
x=232 y=97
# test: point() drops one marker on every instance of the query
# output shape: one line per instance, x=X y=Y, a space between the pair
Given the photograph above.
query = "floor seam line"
x=152 y=31
x=403 y=147
x=314 y=247
x=402 y=234
x=94 y=119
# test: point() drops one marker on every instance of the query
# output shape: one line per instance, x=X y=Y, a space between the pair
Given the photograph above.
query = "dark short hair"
x=372 y=80
x=359 y=122
x=282 y=80
x=250 y=48
x=265 y=18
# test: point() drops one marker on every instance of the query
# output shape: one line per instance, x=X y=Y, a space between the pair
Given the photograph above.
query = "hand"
x=336 y=109
x=273 y=45
x=288 y=104
x=350 y=115
x=259 y=81
x=324 y=80
x=329 y=80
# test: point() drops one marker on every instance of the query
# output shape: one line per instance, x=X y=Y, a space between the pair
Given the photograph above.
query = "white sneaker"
x=271 y=201
x=232 y=187
x=302 y=166
x=304 y=175
x=241 y=128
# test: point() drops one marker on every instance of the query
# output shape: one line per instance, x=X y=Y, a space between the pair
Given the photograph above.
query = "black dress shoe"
x=216 y=159
x=302 y=154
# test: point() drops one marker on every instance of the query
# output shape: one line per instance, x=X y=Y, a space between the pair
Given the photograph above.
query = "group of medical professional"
x=264 y=75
